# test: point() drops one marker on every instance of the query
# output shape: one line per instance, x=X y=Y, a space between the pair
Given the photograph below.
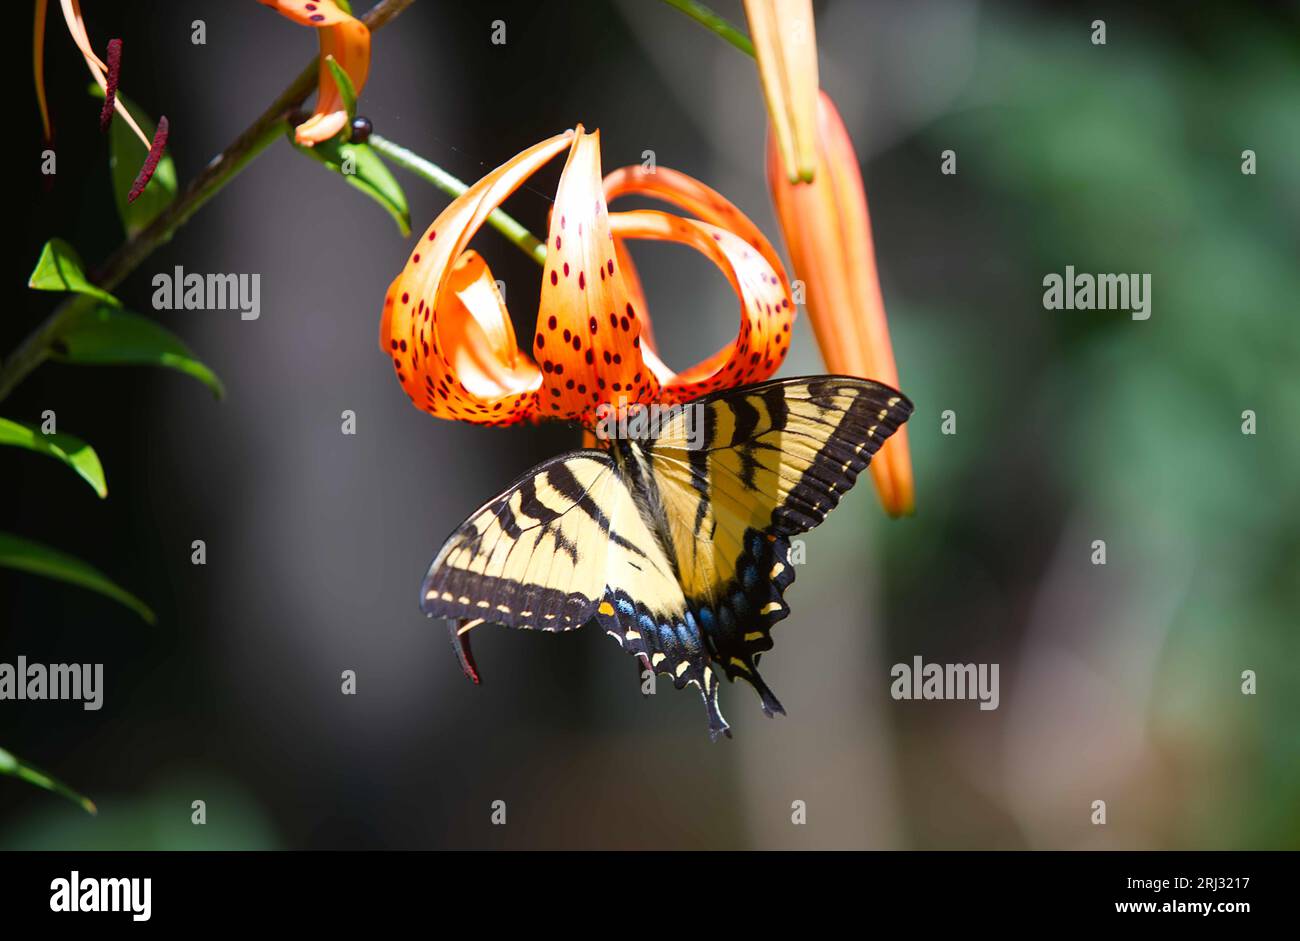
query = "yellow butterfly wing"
x=567 y=544
x=771 y=461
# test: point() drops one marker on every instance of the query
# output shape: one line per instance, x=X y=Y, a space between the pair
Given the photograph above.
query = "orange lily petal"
x=588 y=329
x=710 y=206
x=345 y=38
x=699 y=200
x=765 y=307
x=785 y=45
x=98 y=70
x=444 y=325
x=828 y=233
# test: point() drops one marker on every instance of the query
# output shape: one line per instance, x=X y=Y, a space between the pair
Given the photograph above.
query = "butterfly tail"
x=673 y=649
x=771 y=705
x=459 y=630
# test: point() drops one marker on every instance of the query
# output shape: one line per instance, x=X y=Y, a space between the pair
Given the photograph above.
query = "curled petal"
x=694 y=197
x=462 y=361
x=478 y=341
x=588 y=327
x=345 y=38
x=785 y=45
x=766 y=311
x=444 y=325
x=710 y=206
x=828 y=233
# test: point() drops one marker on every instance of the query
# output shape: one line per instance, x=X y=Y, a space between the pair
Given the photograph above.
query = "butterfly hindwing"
x=670 y=643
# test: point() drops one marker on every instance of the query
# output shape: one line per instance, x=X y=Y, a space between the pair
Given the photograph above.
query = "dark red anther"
x=150 y=162
x=110 y=92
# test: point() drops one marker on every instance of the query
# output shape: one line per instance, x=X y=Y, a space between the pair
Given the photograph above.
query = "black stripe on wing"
x=874 y=415
x=845 y=437
x=453 y=590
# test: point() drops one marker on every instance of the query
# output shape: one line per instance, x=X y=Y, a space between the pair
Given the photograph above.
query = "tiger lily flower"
x=345 y=38
x=104 y=76
x=448 y=333
x=785 y=45
x=828 y=234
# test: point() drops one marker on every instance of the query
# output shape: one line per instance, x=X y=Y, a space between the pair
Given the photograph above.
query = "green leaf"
x=28 y=556
x=14 y=768
x=59 y=269
x=74 y=452
x=346 y=91
x=105 y=336
x=126 y=154
x=368 y=174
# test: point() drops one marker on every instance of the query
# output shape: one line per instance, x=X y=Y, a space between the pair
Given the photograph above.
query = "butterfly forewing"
x=533 y=557
x=773 y=461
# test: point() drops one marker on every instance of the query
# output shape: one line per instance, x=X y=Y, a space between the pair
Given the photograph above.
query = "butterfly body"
x=675 y=544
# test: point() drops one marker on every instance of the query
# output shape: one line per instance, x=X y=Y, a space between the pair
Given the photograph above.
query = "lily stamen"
x=150 y=162
x=110 y=90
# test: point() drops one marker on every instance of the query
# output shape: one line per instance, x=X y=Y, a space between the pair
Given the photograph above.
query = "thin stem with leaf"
x=507 y=225
x=268 y=127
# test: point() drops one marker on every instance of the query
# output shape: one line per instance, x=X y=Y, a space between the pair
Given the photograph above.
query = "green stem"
x=268 y=127
x=507 y=225
x=716 y=23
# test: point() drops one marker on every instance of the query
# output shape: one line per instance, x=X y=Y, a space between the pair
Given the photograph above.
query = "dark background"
x=1119 y=683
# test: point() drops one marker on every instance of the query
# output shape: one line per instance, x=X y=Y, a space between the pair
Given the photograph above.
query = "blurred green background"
x=1119 y=682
